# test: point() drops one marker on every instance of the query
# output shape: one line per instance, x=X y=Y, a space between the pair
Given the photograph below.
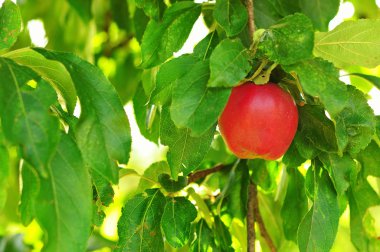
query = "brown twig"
x=260 y=222
x=201 y=174
x=251 y=234
x=251 y=23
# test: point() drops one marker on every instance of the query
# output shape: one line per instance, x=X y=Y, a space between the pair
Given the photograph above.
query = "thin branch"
x=201 y=174
x=251 y=234
x=260 y=222
x=251 y=23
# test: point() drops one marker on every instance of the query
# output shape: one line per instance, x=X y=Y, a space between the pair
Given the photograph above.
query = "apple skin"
x=259 y=121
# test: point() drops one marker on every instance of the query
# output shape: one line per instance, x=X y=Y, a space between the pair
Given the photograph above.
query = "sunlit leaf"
x=152 y=8
x=351 y=43
x=10 y=23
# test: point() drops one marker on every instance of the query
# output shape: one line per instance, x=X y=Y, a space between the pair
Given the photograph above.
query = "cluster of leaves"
x=68 y=164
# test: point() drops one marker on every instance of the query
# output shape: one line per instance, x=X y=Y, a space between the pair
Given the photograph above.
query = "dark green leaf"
x=4 y=170
x=351 y=43
x=52 y=71
x=64 y=199
x=103 y=131
x=222 y=235
x=152 y=8
x=236 y=196
x=140 y=21
x=292 y=157
x=30 y=189
x=139 y=225
x=83 y=7
x=355 y=124
x=321 y=79
x=340 y=169
x=24 y=113
x=369 y=158
x=147 y=116
x=150 y=176
x=206 y=46
x=316 y=128
x=289 y=40
x=231 y=15
x=320 y=12
x=229 y=63
x=287 y=7
x=373 y=79
x=178 y=214
x=10 y=23
x=171 y=185
x=120 y=14
x=295 y=203
x=318 y=228
x=185 y=152
x=161 y=39
x=194 y=105
x=361 y=196
x=205 y=238
x=378 y=126
x=304 y=147
x=167 y=77
x=264 y=173
x=266 y=13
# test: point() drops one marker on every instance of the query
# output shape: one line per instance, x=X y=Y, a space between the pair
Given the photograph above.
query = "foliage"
x=69 y=154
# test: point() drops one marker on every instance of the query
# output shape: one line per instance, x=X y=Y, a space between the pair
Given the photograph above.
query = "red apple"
x=259 y=121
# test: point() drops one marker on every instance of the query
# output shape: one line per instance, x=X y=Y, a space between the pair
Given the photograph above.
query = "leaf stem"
x=204 y=173
x=251 y=23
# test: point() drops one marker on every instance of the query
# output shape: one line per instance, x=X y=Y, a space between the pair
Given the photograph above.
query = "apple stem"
x=204 y=173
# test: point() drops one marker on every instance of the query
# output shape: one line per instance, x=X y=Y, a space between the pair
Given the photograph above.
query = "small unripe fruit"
x=259 y=121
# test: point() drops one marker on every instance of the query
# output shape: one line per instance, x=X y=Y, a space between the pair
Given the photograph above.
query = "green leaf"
x=52 y=71
x=265 y=13
x=287 y=7
x=318 y=228
x=289 y=40
x=4 y=170
x=351 y=43
x=321 y=79
x=294 y=207
x=369 y=159
x=316 y=129
x=147 y=116
x=24 y=113
x=264 y=173
x=178 y=214
x=152 y=8
x=206 y=46
x=65 y=198
x=83 y=8
x=185 y=151
x=361 y=196
x=10 y=23
x=103 y=131
x=231 y=15
x=31 y=185
x=150 y=176
x=320 y=12
x=139 y=225
x=194 y=105
x=204 y=240
x=167 y=77
x=161 y=39
x=229 y=63
x=340 y=169
x=171 y=185
x=355 y=124
x=373 y=79
x=140 y=21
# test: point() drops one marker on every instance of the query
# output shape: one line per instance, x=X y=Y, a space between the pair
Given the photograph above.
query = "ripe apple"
x=259 y=121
